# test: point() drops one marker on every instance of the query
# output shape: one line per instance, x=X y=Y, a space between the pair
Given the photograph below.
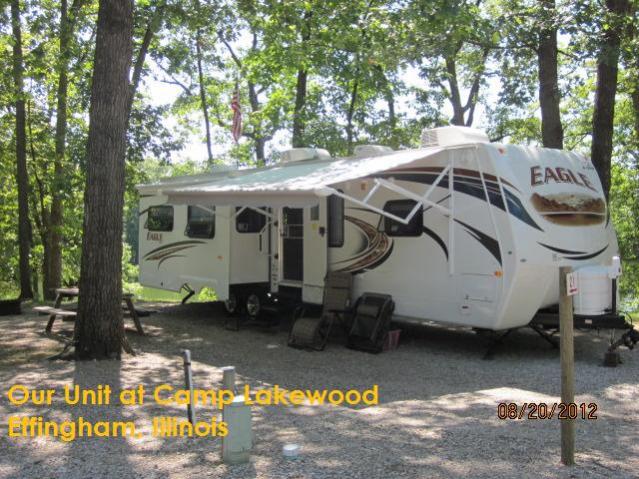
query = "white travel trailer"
x=460 y=231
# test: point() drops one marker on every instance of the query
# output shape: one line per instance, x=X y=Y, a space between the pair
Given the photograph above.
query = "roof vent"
x=222 y=168
x=367 y=151
x=304 y=154
x=452 y=135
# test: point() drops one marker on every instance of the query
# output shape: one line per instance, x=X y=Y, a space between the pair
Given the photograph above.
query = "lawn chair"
x=313 y=333
x=371 y=322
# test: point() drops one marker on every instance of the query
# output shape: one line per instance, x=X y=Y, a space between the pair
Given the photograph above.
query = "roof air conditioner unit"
x=367 y=151
x=222 y=168
x=452 y=135
x=304 y=154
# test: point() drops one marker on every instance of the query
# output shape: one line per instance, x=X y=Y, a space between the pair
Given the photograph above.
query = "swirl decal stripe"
x=472 y=187
x=491 y=244
x=169 y=251
x=437 y=239
x=576 y=255
x=379 y=248
x=163 y=249
x=560 y=250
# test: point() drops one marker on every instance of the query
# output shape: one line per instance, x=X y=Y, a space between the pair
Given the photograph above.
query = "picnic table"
x=72 y=293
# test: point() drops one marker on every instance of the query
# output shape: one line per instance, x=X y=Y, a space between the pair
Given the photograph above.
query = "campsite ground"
x=437 y=416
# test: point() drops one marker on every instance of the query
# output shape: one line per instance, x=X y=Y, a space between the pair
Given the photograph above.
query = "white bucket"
x=594 y=293
x=291 y=451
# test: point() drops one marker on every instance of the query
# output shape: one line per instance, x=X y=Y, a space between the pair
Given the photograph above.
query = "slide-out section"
x=183 y=245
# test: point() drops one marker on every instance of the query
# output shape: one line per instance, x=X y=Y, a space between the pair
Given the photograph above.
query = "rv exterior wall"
x=505 y=265
x=519 y=214
x=170 y=259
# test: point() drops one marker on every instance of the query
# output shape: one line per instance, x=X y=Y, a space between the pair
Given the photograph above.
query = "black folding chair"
x=313 y=333
x=371 y=322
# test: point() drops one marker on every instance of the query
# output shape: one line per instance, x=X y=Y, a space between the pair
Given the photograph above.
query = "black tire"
x=253 y=305
x=232 y=304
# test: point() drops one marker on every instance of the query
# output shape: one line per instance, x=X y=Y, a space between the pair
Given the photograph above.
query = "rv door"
x=315 y=252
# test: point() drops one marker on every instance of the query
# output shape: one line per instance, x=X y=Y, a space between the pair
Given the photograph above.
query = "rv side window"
x=160 y=218
x=200 y=222
x=249 y=221
x=402 y=208
x=335 y=221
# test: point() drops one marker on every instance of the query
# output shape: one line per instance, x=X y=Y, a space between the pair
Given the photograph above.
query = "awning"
x=289 y=184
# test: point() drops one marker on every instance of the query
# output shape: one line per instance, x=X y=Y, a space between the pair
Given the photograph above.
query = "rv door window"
x=335 y=212
x=250 y=221
x=402 y=208
x=160 y=218
x=315 y=213
x=200 y=222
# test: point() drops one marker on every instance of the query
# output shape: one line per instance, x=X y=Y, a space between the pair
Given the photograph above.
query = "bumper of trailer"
x=549 y=319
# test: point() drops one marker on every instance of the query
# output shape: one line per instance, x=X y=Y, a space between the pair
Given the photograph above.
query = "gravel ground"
x=437 y=415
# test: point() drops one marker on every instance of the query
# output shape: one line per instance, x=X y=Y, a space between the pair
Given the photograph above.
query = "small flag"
x=237 y=114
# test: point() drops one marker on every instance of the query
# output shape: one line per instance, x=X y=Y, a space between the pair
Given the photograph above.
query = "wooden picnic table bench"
x=71 y=293
x=54 y=313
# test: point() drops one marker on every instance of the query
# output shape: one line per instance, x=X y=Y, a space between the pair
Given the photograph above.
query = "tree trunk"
x=100 y=329
x=298 y=112
x=136 y=76
x=635 y=105
x=634 y=81
x=455 y=97
x=39 y=211
x=205 y=108
x=260 y=147
x=390 y=101
x=258 y=135
x=552 y=133
x=54 y=270
x=349 y=117
x=24 y=225
x=299 y=119
x=604 y=109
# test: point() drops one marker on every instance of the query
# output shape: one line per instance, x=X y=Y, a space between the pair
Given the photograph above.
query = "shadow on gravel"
x=436 y=418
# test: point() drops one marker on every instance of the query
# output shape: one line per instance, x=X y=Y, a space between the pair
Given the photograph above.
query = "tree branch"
x=151 y=27
x=236 y=59
x=474 y=89
x=173 y=80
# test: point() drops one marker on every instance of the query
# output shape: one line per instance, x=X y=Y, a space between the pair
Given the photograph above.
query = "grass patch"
x=8 y=291
x=157 y=295
x=145 y=293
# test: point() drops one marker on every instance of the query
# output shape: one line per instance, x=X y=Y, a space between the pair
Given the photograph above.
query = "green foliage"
x=624 y=207
x=206 y=295
x=357 y=55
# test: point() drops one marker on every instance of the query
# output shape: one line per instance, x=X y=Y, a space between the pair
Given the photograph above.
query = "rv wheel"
x=230 y=305
x=253 y=305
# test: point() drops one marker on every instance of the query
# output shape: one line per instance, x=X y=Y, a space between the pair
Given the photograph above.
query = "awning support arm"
x=254 y=208
x=331 y=191
x=414 y=196
x=371 y=192
x=451 y=216
x=379 y=183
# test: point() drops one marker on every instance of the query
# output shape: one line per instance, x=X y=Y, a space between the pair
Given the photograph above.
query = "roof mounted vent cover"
x=452 y=135
x=304 y=154
x=222 y=168
x=367 y=151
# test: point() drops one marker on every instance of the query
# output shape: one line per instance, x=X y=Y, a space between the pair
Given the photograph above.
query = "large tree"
x=451 y=42
x=24 y=225
x=99 y=329
x=613 y=29
x=552 y=133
